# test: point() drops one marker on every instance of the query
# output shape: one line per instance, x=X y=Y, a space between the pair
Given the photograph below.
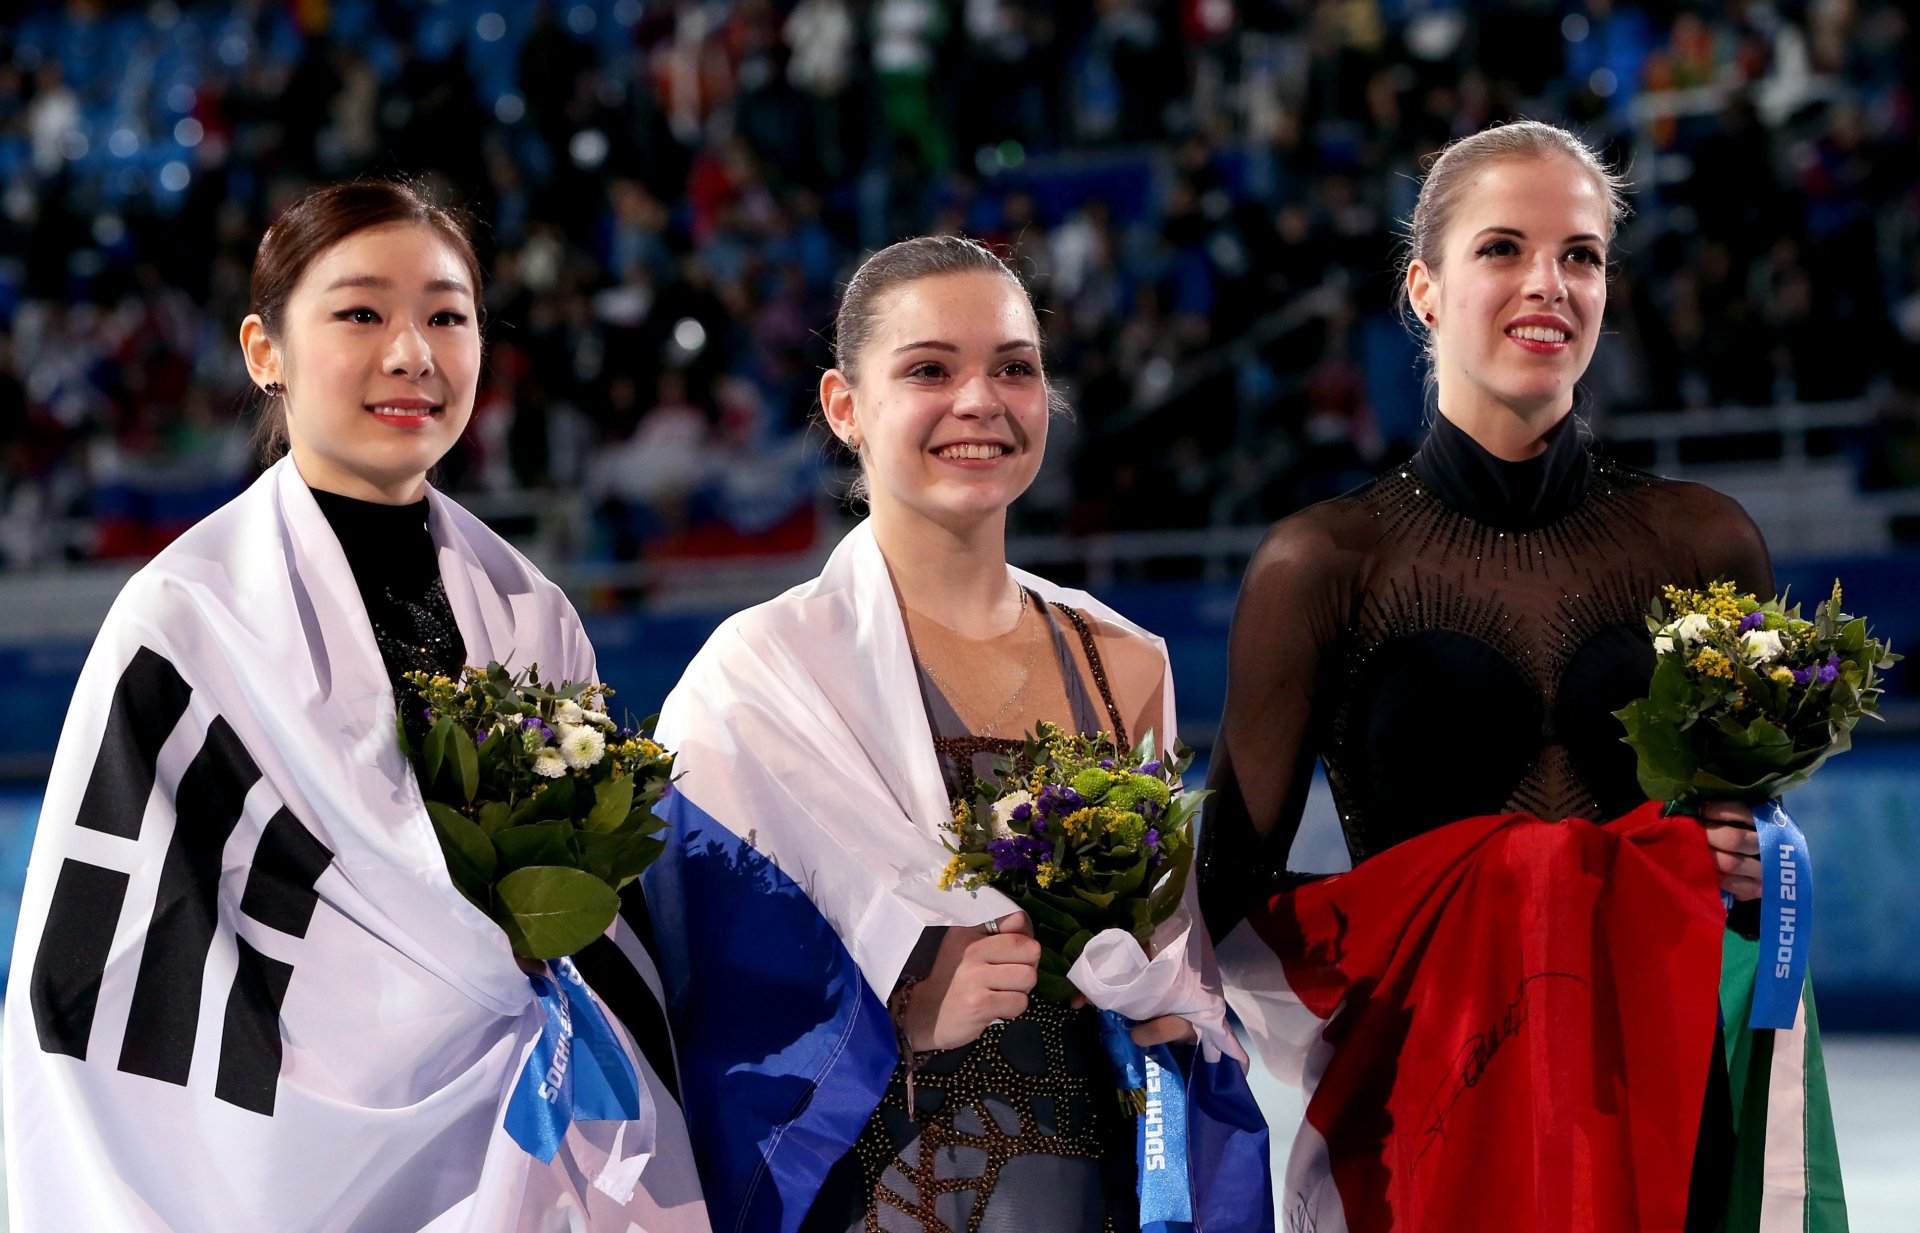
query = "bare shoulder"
x=1129 y=657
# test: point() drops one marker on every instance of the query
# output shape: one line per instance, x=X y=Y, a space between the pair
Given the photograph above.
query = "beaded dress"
x=1451 y=640
x=392 y=556
x=1019 y=1130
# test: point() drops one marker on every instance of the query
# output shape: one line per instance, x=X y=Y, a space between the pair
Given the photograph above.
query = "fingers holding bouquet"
x=1735 y=844
x=982 y=974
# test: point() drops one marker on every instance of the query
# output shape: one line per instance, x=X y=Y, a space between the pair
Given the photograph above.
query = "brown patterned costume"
x=1021 y=1129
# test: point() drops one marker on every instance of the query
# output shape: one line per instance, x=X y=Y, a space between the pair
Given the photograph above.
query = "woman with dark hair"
x=862 y=1048
x=1451 y=641
x=251 y=997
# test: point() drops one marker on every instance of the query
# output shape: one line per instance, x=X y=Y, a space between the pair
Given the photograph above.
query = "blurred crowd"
x=1205 y=194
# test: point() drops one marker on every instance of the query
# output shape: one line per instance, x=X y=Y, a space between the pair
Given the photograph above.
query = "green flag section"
x=1786 y=1172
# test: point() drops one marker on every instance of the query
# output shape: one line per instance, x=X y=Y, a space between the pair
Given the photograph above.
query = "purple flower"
x=533 y=721
x=1151 y=768
x=1106 y=764
x=1071 y=800
x=1021 y=852
x=1022 y=811
x=1828 y=672
x=1753 y=620
x=1039 y=825
x=1153 y=838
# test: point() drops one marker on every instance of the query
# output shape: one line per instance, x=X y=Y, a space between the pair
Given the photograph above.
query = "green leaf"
x=612 y=802
x=549 y=911
x=400 y=730
x=620 y=856
x=466 y=764
x=492 y=817
x=1144 y=750
x=436 y=747
x=555 y=803
x=1054 y=987
x=541 y=843
x=470 y=857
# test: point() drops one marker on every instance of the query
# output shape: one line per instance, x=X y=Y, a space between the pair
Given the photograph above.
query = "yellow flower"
x=647 y=748
x=1781 y=676
x=951 y=875
x=962 y=817
x=1710 y=662
x=1047 y=874
x=1079 y=820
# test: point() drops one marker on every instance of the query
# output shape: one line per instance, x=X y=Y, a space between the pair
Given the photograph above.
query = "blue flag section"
x=1786 y=917
x=576 y=1071
x=784 y=1050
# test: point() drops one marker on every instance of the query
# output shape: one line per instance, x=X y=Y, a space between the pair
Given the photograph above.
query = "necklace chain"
x=1026 y=675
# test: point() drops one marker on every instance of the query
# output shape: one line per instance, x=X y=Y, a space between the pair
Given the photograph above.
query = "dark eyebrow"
x=1018 y=344
x=1516 y=233
x=379 y=282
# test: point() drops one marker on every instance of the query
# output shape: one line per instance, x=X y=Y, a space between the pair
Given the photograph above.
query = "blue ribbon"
x=1166 y=1195
x=577 y=1069
x=1786 y=917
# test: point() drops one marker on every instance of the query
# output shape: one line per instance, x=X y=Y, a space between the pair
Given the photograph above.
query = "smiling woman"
x=1451 y=641
x=231 y=755
x=365 y=336
x=822 y=739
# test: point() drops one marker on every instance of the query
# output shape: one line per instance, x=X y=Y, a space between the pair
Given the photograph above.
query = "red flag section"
x=1520 y=1017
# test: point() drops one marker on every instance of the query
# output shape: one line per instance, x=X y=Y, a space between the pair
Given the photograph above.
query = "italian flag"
x=1786 y=1169
x=1507 y=1025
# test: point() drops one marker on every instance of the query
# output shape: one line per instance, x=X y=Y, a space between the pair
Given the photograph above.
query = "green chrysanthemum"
x=1092 y=784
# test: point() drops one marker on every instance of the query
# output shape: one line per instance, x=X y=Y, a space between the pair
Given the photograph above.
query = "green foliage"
x=1747 y=699
x=542 y=804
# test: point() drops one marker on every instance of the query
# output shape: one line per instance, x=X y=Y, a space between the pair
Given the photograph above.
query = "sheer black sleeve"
x=1291 y=610
x=1728 y=544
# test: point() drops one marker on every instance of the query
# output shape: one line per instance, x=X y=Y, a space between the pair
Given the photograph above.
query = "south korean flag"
x=246 y=993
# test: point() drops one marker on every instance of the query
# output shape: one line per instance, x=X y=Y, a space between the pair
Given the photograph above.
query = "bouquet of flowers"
x=543 y=805
x=1748 y=699
x=1083 y=836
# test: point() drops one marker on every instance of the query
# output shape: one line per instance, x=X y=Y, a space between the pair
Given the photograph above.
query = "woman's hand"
x=977 y=977
x=1166 y=1030
x=1736 y=846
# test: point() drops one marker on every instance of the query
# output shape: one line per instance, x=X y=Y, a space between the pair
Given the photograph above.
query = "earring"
x=1429 y=318
x=274 y=389
x=855 y=441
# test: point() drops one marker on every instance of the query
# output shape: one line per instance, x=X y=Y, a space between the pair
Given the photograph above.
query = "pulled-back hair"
x=315 y=224
x=899 y=265
x=1452 y=170
x=895 y=266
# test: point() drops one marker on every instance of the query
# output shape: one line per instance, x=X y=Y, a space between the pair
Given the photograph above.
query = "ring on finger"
x=992 y=927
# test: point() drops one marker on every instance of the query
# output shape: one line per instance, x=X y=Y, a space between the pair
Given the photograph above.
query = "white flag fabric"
x=246 y=994
x=826 y=671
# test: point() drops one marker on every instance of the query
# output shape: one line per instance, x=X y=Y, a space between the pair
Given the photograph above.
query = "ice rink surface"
x=1876 y=1107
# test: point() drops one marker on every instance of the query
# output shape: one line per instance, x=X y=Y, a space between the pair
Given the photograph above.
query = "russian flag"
x=801 y=871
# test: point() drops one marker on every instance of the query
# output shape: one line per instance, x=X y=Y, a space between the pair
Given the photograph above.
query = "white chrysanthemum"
x=549 y=763
x=568 y=713
x=1003 y=812
x=582 y=746
x=600 y=720
x=1692 y=627
x=1663 y=641
x=1762 y=646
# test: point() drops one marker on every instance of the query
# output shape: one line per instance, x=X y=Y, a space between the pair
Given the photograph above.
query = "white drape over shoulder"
x=801 y=721
x=246 y=995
